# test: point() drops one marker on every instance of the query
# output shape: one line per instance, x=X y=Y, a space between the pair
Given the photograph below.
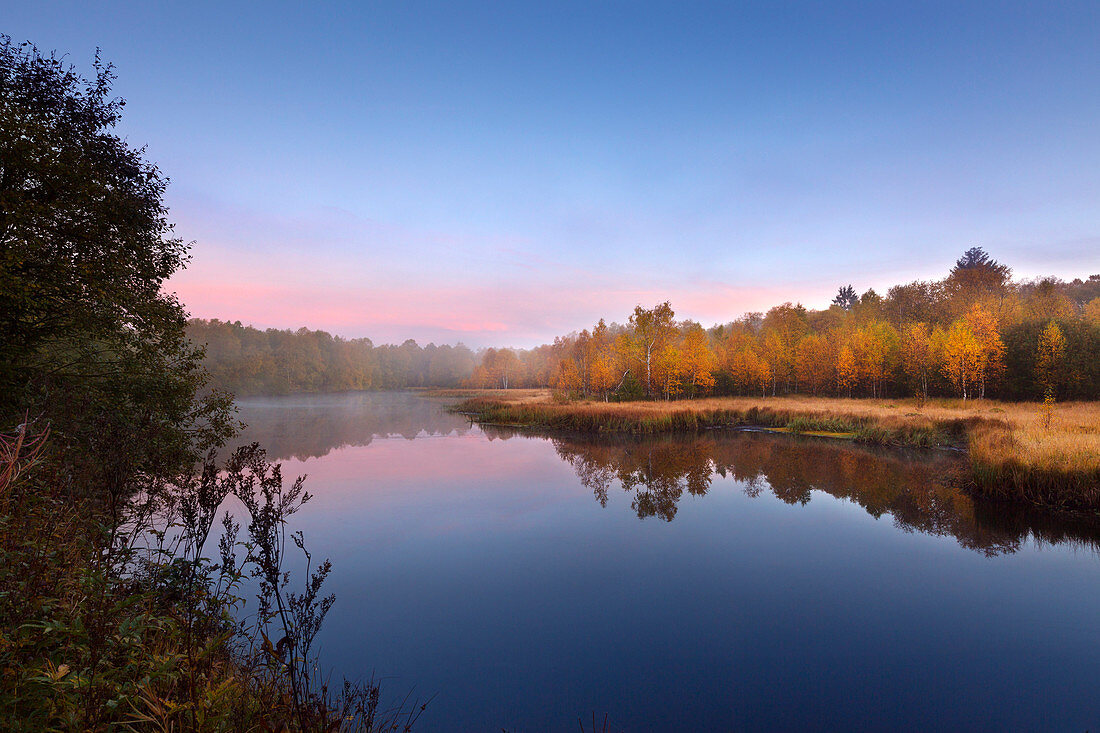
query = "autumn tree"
x=499 y=368
x=1049 y=359
x=732 y=361
x=759 y=371
x=814 y=361
x=1046 y=302
x=605 y=374
x=1092 y=311
x=583 y=354
x=878 y=345
x=650 y=332
x=667 y=373
x=991 y=348
x=783 y=327
x=600 y=360
x=871 y=307
x=959 y=356
x=697 y=361
x=847 y=370
x=568 y=377
x=917 y=357
x=916 y=302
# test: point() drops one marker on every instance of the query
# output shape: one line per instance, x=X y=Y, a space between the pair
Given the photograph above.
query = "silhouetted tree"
x=88 y=337
x=846 y=297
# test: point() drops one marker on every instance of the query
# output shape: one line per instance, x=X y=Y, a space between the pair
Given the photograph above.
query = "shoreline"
x=1015 y=452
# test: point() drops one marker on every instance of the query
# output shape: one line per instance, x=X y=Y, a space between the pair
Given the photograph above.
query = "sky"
x=502 y=173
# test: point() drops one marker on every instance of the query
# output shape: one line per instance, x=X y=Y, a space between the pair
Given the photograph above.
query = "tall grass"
x=126 y=623
x=540 y=410
x=1017 y=451
x=1023 y=459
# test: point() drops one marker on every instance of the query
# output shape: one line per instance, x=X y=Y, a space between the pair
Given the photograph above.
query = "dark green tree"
x=88 y=338
x=976 y=271
x=846 y=297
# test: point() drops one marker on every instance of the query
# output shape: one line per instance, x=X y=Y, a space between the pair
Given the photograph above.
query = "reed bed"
x=1018 y=451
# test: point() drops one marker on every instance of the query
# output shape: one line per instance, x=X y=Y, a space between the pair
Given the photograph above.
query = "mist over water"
x=714 y=581
x=311 y=426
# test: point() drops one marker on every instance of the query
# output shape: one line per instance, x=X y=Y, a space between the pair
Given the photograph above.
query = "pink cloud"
x=361 y=278
x=522 y=314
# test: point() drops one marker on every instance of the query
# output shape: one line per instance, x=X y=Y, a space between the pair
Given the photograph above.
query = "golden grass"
x=1014 y=452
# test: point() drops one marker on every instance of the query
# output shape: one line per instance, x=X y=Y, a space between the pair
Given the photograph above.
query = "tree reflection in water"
x=920 y=490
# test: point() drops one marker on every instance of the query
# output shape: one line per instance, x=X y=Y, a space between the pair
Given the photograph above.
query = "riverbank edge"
x=996 y=469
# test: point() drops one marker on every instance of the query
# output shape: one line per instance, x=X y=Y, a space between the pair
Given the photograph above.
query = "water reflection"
x=919 y=490
x=477 y=566
x=310 y=426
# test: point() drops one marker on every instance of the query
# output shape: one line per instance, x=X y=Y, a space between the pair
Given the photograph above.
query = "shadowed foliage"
x=113 y=616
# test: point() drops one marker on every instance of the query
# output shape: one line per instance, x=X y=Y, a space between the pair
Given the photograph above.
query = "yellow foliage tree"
x=605 y=373
x=847 y=370
x=1049 y=358
x=876 y=346
x=991 y=349
x=651 y=331
x=814 y=363
x=568 y=377
x=738 y=358
x=917 y=357
x=783 y=327
x=1092 y=311
x=501 y=367
x=666 y=371
x=959 y=356
x=697 y=361
x=759 y=371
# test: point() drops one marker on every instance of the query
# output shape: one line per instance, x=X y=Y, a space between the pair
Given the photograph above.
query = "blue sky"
x=503 y=173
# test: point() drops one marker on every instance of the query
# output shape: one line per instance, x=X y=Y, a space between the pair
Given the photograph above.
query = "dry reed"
x=1017 y=452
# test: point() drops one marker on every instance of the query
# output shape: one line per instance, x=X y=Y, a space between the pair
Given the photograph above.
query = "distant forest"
x=975 y=333
x=247 y=361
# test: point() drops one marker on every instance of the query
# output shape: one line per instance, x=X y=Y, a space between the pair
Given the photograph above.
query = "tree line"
x=247 y=361
x=975 y=333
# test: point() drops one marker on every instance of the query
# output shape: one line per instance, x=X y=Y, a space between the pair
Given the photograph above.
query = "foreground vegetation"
x=122 y=606
x=121 y=622
x=1043 y=454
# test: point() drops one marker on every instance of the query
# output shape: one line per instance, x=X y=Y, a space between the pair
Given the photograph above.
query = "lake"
x=720 y=581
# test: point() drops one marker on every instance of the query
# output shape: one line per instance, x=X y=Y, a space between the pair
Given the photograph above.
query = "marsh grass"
x=1048 y=456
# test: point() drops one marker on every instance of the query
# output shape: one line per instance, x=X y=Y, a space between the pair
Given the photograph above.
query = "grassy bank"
x=1017 y=451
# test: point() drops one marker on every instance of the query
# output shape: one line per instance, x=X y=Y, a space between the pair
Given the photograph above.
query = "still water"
x=722 y=581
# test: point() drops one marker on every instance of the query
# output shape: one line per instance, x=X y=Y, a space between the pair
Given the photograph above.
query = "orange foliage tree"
x=959 y=356
x=697 y=361
x=814 y=361
x=917 y=357
x=650 y=333
x=991 y=349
